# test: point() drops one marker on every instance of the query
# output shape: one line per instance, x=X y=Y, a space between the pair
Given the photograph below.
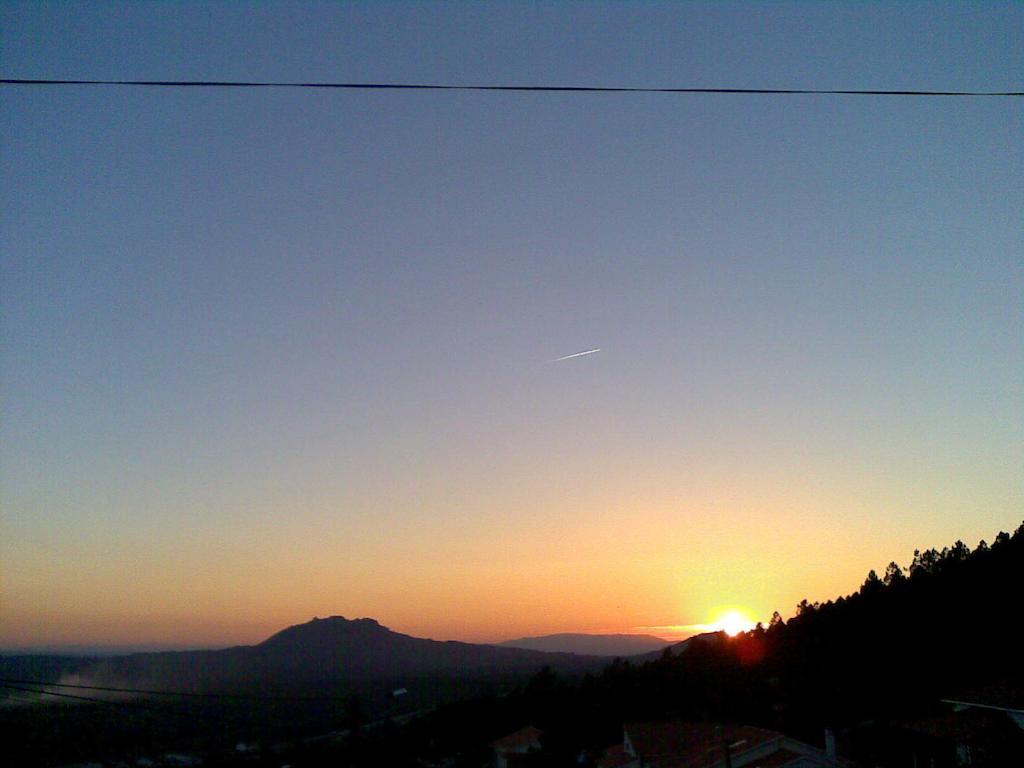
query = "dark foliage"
x=873 y=665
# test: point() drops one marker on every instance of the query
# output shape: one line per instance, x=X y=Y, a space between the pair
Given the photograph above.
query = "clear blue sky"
x=267 y=354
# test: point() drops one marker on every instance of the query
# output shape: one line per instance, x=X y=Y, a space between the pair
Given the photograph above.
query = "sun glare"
x=733 y=622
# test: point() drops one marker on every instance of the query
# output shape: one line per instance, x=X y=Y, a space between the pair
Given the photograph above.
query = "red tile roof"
x=694 y=745
x=521 y=739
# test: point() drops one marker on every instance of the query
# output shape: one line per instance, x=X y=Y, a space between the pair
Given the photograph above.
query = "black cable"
x=225 y=718
x=91 y=699
x=507 y=88
x=148 y=692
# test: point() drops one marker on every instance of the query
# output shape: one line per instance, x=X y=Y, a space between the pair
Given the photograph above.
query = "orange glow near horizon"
x=733 y=622
x=500 y=573
x=266 y=374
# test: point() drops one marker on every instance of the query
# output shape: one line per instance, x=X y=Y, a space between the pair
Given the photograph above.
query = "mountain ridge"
x=332 y=650
x=608 y=645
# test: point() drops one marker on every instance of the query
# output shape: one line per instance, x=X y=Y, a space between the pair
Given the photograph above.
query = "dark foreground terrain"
x=918 y=667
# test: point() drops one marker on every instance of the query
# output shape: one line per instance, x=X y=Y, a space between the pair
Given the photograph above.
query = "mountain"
x=703 y=639
x=334 y=651
x=593 y=645
x=362 y=647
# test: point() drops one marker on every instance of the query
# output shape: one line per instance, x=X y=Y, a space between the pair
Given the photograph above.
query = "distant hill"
x=331 y=651
x=593 y=645
x=703 y=639
x=362 y=647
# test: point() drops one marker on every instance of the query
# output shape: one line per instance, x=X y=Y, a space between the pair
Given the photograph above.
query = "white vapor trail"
x=576 y=354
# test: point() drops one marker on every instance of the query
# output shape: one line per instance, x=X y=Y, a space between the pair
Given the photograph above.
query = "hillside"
x=704 y=638
x=942 y=628
x=873 y=666
x=331 y=651
x=595 y=645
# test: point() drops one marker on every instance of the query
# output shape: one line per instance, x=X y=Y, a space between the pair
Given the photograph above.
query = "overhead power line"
x=504 y=88
x=76 y=697
x=5 y=682
x=166 y=708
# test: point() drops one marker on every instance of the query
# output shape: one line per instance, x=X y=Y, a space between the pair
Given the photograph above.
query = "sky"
x=274 y=354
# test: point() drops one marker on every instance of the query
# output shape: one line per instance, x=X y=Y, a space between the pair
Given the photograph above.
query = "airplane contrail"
x=576 y=354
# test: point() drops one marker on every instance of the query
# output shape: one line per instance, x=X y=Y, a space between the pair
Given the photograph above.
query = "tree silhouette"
x=894 y=576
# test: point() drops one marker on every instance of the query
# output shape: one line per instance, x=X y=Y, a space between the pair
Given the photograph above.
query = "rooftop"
x=694 y=744
x=521 y=739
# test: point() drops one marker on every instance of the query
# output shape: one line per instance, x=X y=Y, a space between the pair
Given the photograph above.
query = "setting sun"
x=733 y=622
